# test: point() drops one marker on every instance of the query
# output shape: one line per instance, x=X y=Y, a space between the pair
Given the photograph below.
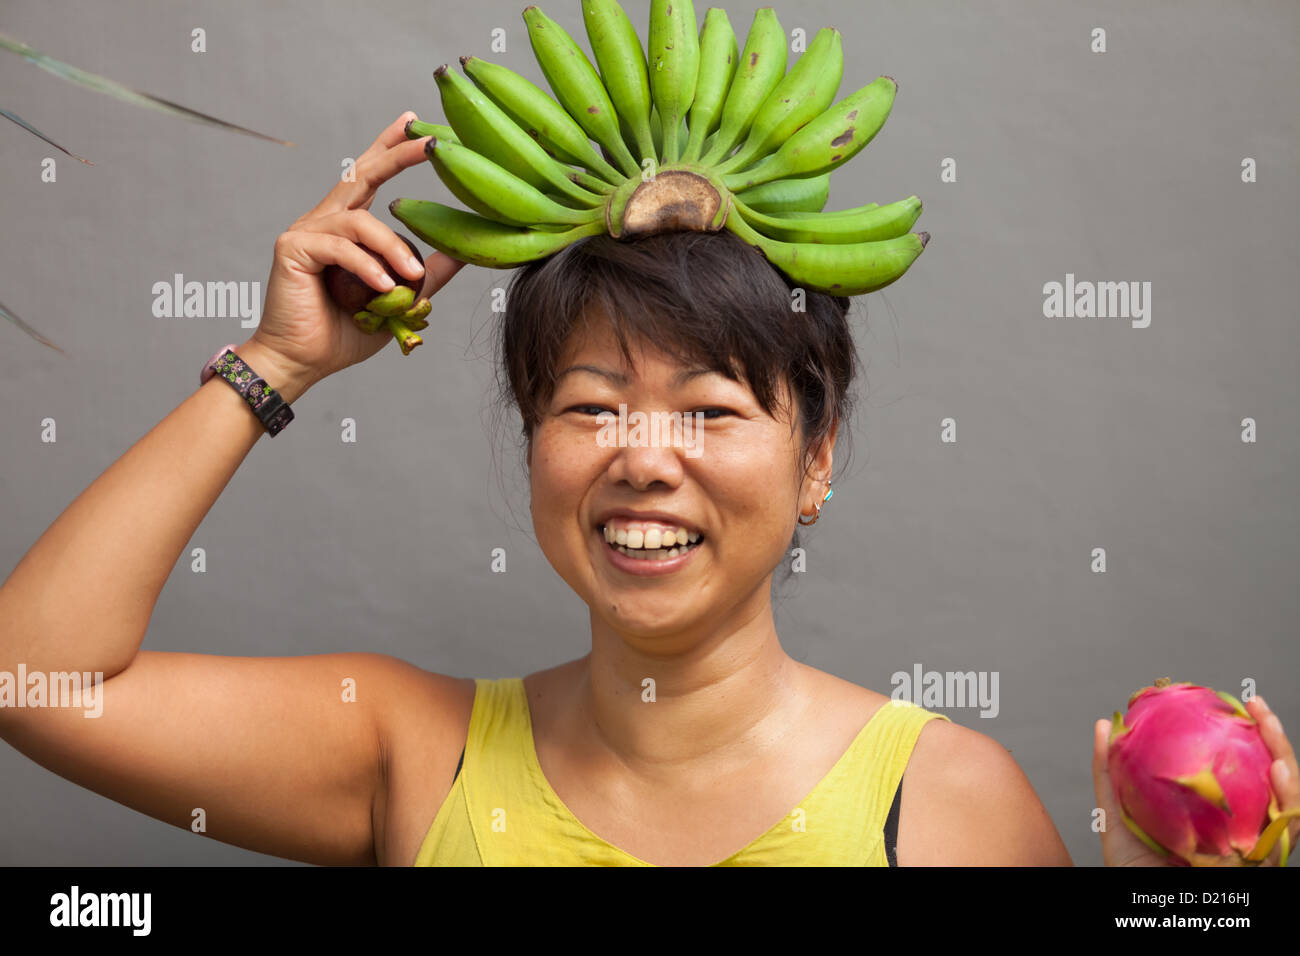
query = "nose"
x=644 y=467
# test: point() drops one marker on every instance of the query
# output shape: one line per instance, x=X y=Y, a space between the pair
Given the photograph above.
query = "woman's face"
x=733 y=482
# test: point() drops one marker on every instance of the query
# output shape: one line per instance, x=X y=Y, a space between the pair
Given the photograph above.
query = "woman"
x=687 y=736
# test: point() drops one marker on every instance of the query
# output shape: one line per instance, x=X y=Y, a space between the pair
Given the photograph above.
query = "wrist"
x=286 y=377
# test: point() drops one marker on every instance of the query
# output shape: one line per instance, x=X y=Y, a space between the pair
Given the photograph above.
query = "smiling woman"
x=688 y=736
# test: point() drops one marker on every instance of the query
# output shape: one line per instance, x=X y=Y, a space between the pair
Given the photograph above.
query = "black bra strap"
x=891 y=827
x=459 y=763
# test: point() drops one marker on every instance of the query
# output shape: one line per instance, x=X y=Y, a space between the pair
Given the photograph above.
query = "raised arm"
x=269 y=749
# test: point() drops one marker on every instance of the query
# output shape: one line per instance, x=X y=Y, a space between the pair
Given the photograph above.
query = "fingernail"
x=1263 y=703
x=414 y=263
x=1282 y=772
x=386 y=282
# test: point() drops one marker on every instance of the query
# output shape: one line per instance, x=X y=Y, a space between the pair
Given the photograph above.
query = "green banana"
x=497 y=193
x=801 y=97
x=871 y=223
x=719 y=60
x=856 y=210
x=622 y=69
x=735 y=140
x=538 y=115
x=854 y=268
x=475 y=239
x=417 y=130
x=484 y=127
x=829 y=141
x=789 y=195
x=674 y=62
x=657 y=131
x=575 y=84
x=762 y=65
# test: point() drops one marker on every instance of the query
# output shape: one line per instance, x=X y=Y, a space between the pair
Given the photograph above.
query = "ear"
x=822 y=460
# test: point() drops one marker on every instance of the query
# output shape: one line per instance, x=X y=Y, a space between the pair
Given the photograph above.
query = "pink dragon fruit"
x=1191 y=774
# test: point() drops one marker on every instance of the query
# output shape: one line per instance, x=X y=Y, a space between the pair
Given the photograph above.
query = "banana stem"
x=719 y=151
x=645 y=143
x=691 y=153
x=672 y=152
x=592 y=183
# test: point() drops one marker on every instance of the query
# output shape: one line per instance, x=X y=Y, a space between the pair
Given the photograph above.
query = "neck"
x=729 y=690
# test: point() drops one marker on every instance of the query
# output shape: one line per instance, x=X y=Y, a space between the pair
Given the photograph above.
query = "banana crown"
x=689 y=132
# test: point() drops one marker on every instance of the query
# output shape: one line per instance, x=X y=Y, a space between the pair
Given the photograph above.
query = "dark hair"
x=706 y=299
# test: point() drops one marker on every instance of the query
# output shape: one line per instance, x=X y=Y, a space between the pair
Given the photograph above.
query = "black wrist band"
x=267 y=404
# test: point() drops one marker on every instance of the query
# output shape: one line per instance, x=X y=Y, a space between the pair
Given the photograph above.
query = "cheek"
x=558 y=477
x=754 y=484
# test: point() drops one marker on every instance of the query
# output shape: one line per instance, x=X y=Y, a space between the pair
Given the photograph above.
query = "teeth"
x=653 y=544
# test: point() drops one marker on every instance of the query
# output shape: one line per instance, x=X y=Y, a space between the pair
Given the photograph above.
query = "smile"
x=649 y=550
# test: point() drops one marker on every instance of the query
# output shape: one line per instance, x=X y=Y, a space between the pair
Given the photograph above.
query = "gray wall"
x=1073 y=433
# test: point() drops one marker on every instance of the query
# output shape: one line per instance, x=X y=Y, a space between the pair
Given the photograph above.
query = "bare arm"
x=82 y=597
x=271 y=750
x=265 y=748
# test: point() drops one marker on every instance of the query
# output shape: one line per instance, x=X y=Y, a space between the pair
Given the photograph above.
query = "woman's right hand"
x=301 y=325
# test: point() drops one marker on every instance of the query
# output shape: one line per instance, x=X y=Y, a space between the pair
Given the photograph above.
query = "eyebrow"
x=618 y=378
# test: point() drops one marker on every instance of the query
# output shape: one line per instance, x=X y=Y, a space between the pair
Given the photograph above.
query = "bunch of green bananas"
x=699 y=136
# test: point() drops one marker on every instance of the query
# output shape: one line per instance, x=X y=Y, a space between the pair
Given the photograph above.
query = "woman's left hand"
x=1121 y=847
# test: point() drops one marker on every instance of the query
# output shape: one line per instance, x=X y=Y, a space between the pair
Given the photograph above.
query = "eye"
x=708 y=413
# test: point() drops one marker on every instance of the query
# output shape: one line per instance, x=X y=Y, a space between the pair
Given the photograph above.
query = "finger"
x=1270 y=728
x=394 y=135
x=1283 y=773
x=362 y=227
x=1101 y=787
x=311 y=252
x=391 y=153
x=373 y=172
x=438 y=270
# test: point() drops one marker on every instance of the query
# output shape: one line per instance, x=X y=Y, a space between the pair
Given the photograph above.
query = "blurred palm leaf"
x=28 y=329
x=32 y=129
x=101 y=84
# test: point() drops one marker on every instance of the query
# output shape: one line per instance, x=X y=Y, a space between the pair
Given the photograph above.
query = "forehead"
x=593 y=339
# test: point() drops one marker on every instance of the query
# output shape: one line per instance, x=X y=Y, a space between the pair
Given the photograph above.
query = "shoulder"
x=967 y=802
x=422 y=719
x=411 y=697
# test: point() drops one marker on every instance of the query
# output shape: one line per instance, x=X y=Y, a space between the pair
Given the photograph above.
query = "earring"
x=829 y=491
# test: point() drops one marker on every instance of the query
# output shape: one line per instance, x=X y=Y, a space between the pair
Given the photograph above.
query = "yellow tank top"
x=502 y=811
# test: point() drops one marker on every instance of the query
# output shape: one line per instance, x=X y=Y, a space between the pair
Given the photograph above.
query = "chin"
x=642 y=623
